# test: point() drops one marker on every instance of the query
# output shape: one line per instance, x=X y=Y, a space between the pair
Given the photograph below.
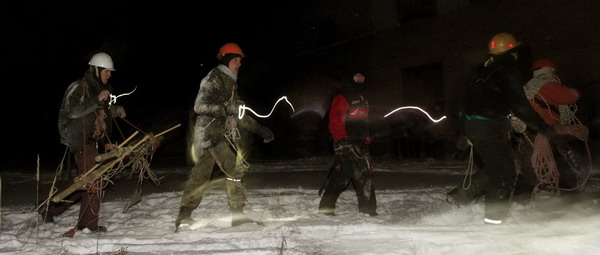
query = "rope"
x=100 y=125
x=233 y=133
x=214 y=155
x=131 y=124
x=53 y=188
x=139 y=161
x=119 y=128
x=543 y=162
x=469 y=173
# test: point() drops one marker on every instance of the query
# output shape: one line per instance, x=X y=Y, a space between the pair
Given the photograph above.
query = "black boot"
x=47 y=216
x=185 y=217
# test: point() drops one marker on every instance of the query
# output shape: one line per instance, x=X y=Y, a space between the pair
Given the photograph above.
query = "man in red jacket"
x=548 y=96
x=551 y=100
x=348 y=125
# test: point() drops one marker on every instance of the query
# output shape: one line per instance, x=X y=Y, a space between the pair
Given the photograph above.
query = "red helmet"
x=543 y=62
x=229 y=48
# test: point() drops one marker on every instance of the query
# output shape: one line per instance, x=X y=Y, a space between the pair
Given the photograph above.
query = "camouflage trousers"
x=199 y=180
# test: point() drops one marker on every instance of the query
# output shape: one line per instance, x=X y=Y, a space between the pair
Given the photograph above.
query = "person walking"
x=493 y=98
x=553 y=101
x=85 y=124
x=216 y=139
x=348 y=125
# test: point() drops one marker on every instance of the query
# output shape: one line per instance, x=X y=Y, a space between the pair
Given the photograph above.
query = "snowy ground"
x=410 y=221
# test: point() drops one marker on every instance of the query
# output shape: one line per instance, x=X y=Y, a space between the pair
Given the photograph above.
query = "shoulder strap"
x=545 y=105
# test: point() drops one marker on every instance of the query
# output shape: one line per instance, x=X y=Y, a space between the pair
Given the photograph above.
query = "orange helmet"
x=229 y=48
x=543 y=62
x=501 y=43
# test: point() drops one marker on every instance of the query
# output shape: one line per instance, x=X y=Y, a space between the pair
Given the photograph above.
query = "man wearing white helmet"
x=84 y=124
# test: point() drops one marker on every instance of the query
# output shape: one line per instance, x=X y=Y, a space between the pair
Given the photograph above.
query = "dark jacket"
x=498 y=92
x=78 y=113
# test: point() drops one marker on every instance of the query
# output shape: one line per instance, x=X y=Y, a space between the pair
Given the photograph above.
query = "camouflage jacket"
x=217 y=89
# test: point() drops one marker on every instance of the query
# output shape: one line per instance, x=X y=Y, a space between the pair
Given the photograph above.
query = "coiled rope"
x=232 y=133
x=544 y=164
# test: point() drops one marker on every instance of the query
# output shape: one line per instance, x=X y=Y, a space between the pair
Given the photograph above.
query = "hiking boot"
x=369 y=212
x=450 y=200
x=99 y=229
x=326 y=211
x=492 y=221
x=184 y=218
x=239 y=218
x=46 y=216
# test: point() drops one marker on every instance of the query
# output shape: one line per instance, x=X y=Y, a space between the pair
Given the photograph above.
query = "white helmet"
x=103 y=60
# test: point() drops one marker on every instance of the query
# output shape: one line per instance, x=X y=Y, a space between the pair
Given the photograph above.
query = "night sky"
x=163 y=49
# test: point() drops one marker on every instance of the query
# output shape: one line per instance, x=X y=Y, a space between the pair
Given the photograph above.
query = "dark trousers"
x=348 y=169
x=89 y=197
x=496 y=175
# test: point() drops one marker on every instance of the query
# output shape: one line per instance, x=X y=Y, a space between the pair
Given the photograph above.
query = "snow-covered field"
x=410 y=221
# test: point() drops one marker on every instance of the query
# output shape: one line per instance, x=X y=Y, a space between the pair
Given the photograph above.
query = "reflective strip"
x=234 y=180
x=358 y=113
x=486 y=220
x=477 y=117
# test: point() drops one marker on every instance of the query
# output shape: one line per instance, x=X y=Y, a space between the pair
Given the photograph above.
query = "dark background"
x=413 y=52
x=163 y=49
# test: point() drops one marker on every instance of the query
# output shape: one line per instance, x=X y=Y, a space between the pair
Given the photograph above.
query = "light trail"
x=416 y=108
x=243 y=108
x=113 y=98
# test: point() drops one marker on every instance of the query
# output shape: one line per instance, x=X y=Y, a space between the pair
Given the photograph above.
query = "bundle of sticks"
x=111 y=163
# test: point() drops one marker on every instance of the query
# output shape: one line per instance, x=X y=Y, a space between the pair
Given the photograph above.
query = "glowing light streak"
x=416 y=108
x=113 y=98
x=242 y=109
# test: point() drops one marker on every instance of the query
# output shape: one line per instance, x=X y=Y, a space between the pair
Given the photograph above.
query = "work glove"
x=342 y=147
x=266 y=134
x=233 y=108
x=367 y=155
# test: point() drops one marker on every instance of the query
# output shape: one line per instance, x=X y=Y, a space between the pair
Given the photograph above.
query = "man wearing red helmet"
x=216 y=138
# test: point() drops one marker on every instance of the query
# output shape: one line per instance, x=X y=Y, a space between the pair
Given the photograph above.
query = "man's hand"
x=462 y=143
x=266 y=134
x=110 y=147
x=342 y=147
x=103 y=95
x=120 y=112
x=233 y=108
